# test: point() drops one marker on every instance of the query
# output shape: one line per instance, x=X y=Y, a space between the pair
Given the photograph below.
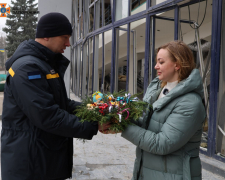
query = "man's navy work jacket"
x=37 y=124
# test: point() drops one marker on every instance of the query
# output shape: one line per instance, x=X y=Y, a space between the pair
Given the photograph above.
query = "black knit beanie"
x=53 y=24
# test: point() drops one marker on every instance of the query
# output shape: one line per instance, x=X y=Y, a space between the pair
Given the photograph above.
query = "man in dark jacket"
x=37 y=121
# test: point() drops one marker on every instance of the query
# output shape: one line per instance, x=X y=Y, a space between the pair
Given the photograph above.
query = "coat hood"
x=192 y=84
x=36 y=49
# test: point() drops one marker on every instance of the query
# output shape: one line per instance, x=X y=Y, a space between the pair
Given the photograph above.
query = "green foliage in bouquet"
x=119 y=108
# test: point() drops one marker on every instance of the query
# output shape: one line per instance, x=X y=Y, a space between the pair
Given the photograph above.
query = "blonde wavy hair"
x=181 y=54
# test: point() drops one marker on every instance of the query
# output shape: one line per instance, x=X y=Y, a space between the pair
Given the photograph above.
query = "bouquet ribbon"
x=128 y=97
x=134 y=99
x=120 y=114
x=119 y=98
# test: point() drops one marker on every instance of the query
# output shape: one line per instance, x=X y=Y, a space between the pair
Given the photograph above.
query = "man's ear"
x=46 y=39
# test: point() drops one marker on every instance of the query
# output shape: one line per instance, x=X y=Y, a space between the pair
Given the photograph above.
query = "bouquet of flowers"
x=120 y=109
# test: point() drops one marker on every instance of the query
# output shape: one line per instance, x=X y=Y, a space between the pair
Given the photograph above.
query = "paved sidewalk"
x=104 y=157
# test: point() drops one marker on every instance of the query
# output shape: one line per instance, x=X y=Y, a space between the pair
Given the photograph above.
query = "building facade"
x=114 y=46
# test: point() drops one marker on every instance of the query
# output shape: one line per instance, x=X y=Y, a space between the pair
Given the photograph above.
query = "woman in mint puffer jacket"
x=168 y=137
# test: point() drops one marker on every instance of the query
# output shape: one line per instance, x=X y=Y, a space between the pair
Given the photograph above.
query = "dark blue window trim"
x=128 y=47
x=147 y=53
x=153 y=71
x=128 y=55
x=176 y=22
x=103 y=61
x=214 y=85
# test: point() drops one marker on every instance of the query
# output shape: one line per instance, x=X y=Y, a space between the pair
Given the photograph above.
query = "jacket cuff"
x=133 y=134
x=93 y=129
x=138 y=122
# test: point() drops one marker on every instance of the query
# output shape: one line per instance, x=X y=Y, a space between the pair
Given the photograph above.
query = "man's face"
x=59 y=43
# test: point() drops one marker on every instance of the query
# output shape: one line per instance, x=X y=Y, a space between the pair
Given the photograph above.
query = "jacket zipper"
x=165 y=163
x=139 y=174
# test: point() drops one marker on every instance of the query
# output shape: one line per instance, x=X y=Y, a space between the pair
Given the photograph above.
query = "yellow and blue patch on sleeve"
x=34 y=75
x=52 y=76
x=11 y=72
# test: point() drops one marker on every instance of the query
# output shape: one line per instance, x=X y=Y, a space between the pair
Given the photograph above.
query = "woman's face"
x=167 y=70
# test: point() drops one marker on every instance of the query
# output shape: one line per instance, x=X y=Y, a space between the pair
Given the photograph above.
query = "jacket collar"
x=36 y=49
x=192 y=84
x=59 y=60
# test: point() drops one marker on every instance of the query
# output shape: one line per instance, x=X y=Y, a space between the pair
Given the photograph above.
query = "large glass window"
x=100 y=62
x=105 y=11
x=97 y=62
x=164 y=29
x=107 y=60
x=78 y=70
x=72 y=74
x=122 y=9
x=80 y=18
x=137 y=56
x=155 y=2
x=220 y=144
x=202 y=37
x=90 y=68
x=85 y=67
x=100 y=12
x=75 y=20
x=91 y=18
x=138 y=6
x=121 y=58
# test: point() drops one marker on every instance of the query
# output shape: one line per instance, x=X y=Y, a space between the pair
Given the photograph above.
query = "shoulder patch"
x=34 y=75
x=52 y=76
x=11 y=72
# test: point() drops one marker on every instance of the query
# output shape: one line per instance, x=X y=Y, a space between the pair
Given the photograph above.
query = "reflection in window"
x=220 y=144
x=106 y=13
x=137 y=57
x=187 y=35
x=107 y=62
x=136 y=3
x=91 y=19
x=99 y=59
x=155 y=2
x=80 y=19
x=121 y=59
x=121 y=9
x=164 y=29
x=108 y=17
x=90 y=59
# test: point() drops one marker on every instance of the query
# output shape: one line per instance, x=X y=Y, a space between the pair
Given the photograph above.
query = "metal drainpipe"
x=202 y=68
